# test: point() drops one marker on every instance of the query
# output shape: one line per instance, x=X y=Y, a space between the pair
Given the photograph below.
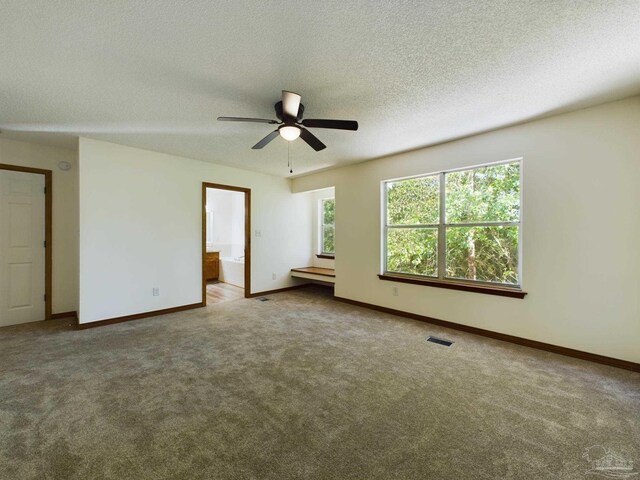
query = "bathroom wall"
x=225 y=222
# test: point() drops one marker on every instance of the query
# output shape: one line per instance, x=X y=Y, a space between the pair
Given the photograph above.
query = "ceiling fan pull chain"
x=290 y=163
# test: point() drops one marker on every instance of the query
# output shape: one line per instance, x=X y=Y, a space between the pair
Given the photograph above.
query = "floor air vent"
x=439 y=341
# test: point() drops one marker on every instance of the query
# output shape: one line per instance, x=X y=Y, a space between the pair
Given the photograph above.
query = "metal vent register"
x=439 y=341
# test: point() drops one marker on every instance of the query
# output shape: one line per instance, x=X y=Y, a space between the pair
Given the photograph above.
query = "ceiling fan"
x=289 y=112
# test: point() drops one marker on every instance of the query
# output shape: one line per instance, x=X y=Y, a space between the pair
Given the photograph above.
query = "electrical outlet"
x=258 y=233
x=273 y=276
x=156 y=292
x=395 y=291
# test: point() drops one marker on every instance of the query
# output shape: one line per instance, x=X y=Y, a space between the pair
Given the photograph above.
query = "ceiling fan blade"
x=290 y=104
x=312 y=140
x=243 y=119
x=337 y=124
x=266 y=140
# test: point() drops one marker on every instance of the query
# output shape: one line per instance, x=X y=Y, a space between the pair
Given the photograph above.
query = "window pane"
x=328 y=211
x=486 y=194
x=413 y=250
x=414 y=201
x=328 y=239
x=488 y=254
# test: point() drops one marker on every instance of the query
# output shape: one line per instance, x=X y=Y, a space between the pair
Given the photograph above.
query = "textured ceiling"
x=156 y=74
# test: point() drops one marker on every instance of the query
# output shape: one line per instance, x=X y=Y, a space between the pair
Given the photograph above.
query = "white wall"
x=65 y=213
x=316 y=239
x=226 y=222
x=581 y=230
x=140 y=218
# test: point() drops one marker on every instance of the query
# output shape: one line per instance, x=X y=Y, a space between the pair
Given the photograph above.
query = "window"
x=327 y=226
x=459 y=226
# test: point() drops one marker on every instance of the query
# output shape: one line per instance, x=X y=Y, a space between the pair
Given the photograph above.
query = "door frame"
x=48 y=236
x=247 y=235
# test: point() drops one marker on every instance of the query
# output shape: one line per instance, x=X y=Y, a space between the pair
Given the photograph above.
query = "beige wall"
x=141 y=224
x=581 y=228
x=65 y=213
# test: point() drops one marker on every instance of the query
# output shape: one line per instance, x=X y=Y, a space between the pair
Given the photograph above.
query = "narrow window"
x=461 y=225
x=327 y=227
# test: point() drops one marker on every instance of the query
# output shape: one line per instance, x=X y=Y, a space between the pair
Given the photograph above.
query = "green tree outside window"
x=456 y=225
x=328 y=226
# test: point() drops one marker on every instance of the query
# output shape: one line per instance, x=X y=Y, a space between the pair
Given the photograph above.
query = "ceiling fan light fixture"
x=289 y=132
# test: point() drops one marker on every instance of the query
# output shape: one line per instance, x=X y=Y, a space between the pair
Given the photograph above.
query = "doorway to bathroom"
x=226 y=243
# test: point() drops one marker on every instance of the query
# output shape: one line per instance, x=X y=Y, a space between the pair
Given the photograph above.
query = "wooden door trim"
x=48 y=230
x=247 y=235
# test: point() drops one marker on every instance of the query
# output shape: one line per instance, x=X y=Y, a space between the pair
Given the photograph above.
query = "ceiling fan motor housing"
x=279 y=112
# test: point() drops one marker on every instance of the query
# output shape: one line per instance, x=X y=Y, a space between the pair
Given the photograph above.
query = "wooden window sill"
x=453 y=285
x=324 y=255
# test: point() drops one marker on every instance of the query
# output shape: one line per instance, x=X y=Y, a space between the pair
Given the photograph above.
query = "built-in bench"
x=318 y=274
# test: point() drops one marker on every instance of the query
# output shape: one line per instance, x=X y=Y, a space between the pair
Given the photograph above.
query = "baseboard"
x=57 y=316
x=278 y=290
x=569 y=352
x=138 y=316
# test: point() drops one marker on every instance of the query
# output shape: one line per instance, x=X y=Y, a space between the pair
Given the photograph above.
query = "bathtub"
x=232 y=271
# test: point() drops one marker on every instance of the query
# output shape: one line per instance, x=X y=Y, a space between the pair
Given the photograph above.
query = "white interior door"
x=22 y=249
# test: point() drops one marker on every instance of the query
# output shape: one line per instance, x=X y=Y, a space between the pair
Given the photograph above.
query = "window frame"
x=441 y=226
x=321 y=226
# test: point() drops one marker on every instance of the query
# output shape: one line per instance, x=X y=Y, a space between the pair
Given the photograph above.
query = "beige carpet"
x=300 y=387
